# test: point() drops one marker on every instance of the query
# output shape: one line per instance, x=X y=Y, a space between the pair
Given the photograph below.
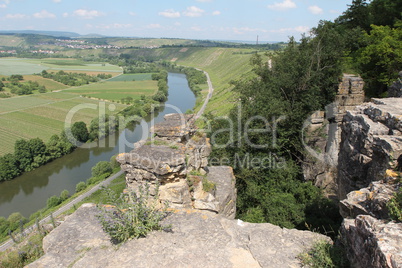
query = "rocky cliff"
x=176 y=159
x=323 y=135
x=199 y=238
x=370 y=150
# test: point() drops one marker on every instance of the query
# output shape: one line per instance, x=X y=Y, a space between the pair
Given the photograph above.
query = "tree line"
x=20 y=88
x=73 y=79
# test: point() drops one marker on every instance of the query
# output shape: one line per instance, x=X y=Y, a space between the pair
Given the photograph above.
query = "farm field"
x=49 y=84
x=9 y=66
x=115 y=91
x=131 y=77
x=41 y=116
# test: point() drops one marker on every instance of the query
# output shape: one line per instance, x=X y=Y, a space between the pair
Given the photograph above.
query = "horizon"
x=271 y=20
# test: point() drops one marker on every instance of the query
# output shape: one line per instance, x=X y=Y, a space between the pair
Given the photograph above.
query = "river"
x=29 y=192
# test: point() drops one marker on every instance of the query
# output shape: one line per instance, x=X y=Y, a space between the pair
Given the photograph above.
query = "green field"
x=9 y=66
x=115 y=91
x=131 y=77
x=41 y=116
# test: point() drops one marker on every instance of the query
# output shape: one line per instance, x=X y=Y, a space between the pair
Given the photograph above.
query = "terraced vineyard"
x=41 y=116
x=115 y=91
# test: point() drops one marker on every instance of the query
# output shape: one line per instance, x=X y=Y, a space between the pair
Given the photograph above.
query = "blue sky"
x=271 y=20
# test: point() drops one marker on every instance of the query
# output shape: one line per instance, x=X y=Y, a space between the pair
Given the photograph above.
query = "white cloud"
x=154 y=26
x=87 y=14
x=315 y=10
x=56 y=1
x=286 y=4
x=131 y=13
x=115 y=26
x=193 y=11
x=299 y=29
x=216 y=13
x=302 y=29
x=196 y=28
x=3 y=5
x=44 y=15
x=177 y=24
x=65 y=15
x=16 y=16
x=243 y=30
x=169 y=13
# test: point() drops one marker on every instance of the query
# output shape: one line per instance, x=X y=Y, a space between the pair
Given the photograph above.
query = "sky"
x=270 y=20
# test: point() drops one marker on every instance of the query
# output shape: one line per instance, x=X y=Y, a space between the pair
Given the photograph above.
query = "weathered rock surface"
x=324 y=135
x=371 y=200
x=371 y=144
x=372 y=242
x=176 y=157
x=198 y=239
x=395 y=90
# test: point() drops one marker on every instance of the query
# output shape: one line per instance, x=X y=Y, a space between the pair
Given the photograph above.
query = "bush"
x=53 y=201
x=102 y=168
x=80 y=187
x=324 y=255
x=134 y=215
x=394 y=206
x=64 y=195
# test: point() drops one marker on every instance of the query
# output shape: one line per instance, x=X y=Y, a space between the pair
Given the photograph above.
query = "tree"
x=80 y=187
x=1 y=86
x=80 y=131
x=23 y=154
x=381 y=59
x=53 y=201
x=8 y=167
x=64 y=195
x=101 y=168
x=303 y=78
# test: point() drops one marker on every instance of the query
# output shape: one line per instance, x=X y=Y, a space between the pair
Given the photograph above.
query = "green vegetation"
x=207 y=185
x=29 y=252
x=372 y=32
x=69 y=78
x=269 y=178
x=102 y=168
x=133 y=215
x=325 y=255
x=394 y=206
x=132 y=77
x=116 y=90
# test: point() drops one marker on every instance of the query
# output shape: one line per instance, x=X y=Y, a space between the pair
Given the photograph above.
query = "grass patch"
x=324 y=255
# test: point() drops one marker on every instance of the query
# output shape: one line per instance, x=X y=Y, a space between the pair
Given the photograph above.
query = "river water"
x=29 y=192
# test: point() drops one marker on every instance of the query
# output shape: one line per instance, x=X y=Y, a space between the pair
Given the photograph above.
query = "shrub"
x=64 y=195
x=134 y=215
x=80 y=187
x=394 y=206
x=207 y=185
x=53 y=201
x=323 y=255
x=101 y=168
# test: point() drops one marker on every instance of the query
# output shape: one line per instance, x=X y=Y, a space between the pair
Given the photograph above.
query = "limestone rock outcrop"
x=323 y=135
x=176 y=159
x=395 y=90
x=197 y=239
x=370 y=150
x=371 y=144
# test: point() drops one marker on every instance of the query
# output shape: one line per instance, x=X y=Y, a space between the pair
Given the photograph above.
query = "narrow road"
x=209 y=96
x=64 y=208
